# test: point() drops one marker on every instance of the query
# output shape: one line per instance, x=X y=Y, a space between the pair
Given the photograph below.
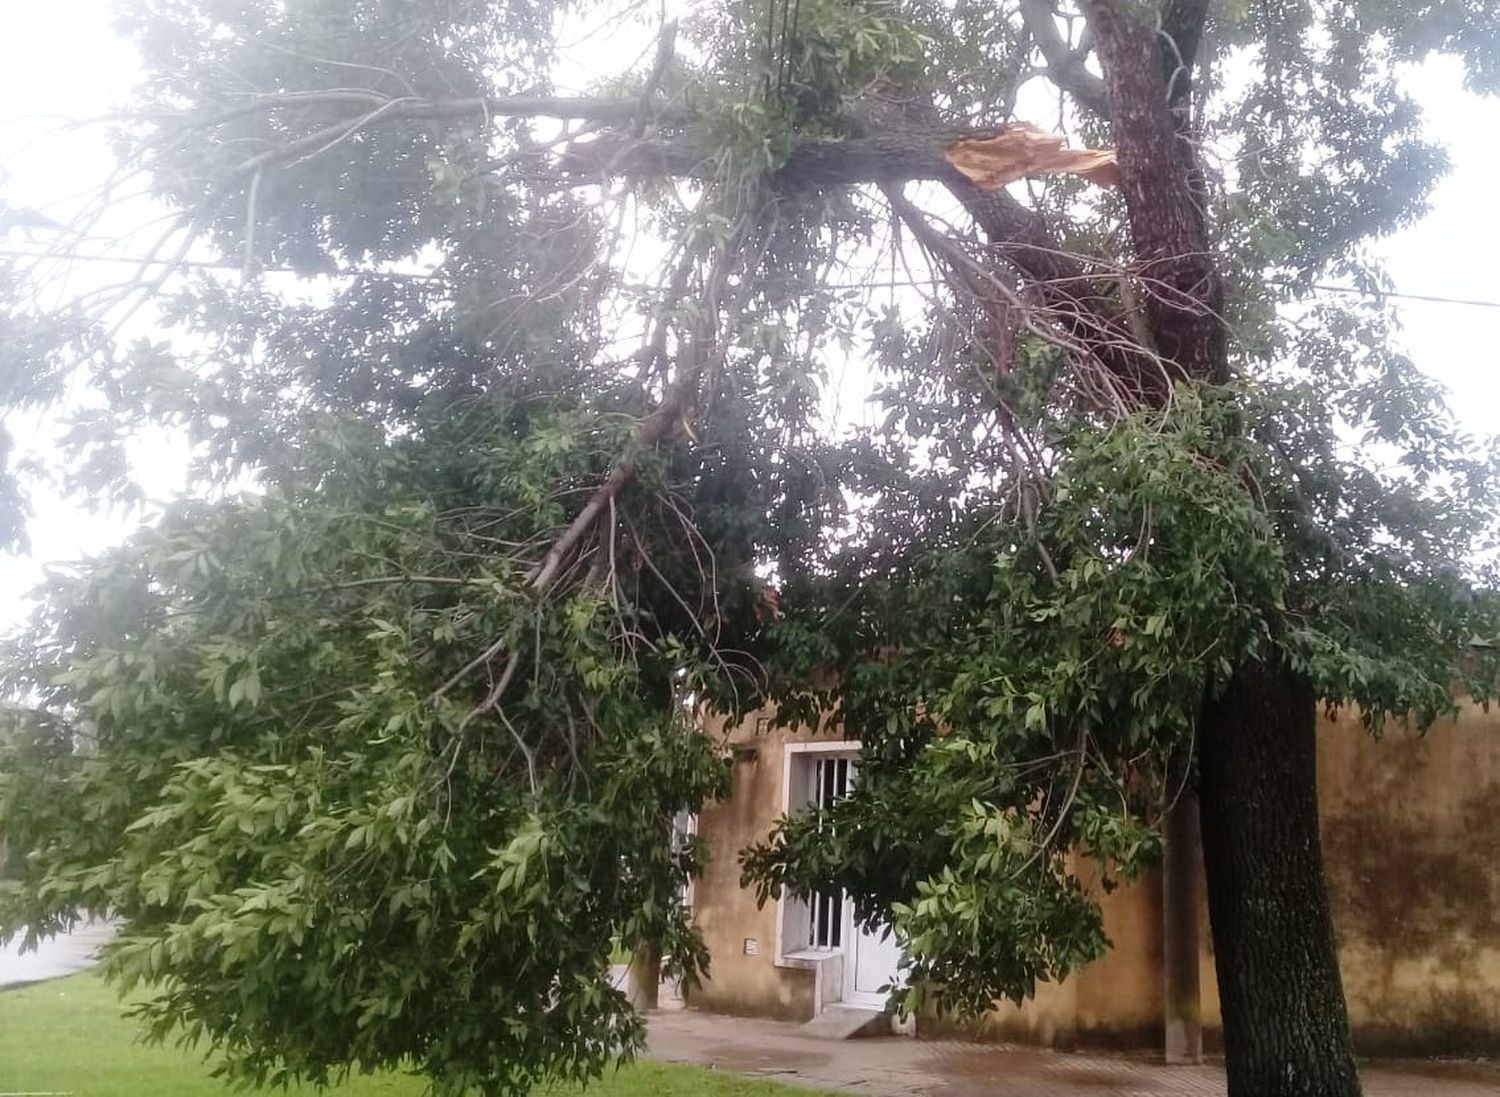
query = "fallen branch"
x=653 y=430
x=986 y=157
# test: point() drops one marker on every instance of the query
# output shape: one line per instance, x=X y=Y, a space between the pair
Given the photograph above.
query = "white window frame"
x=688 y=830
x=792 y=914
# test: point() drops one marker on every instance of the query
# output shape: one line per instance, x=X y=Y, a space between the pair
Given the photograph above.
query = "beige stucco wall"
x=1411 y=843
x=1114 y=1002
x=726 y=913
x=1411 y=831
x=1120 y=999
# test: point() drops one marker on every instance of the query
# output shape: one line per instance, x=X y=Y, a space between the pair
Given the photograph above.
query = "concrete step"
x=848 y=1022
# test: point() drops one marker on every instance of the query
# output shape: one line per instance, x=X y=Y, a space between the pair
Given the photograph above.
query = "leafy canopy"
x=377 y=759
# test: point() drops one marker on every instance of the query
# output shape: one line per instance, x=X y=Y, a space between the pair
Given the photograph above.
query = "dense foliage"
x=506 y=408
x=330 y=851
x=1025 y=692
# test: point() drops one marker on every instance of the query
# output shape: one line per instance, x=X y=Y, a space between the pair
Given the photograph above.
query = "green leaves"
x=367 y=794
x=1058 y=664
x=327 y=847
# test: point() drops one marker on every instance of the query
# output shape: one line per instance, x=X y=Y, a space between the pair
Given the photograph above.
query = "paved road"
x=58 y=956
x=896 y=1067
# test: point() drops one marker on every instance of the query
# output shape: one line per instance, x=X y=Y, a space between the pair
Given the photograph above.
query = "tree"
x=383 y=754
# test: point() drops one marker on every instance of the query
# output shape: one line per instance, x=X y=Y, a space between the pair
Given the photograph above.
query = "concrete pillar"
x=1182 y=866
x=643 y=979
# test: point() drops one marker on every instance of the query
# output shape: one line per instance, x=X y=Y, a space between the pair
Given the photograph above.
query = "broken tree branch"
x=987 y=156
x=890 y=157
x=654 y=429
x=1078 y=301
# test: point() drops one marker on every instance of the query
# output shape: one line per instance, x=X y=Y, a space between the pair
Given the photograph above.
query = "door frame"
x=792 y=952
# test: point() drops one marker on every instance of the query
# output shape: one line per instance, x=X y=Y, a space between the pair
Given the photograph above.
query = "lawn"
x=67 y=1037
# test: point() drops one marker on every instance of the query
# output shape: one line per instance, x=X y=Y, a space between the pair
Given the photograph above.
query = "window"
x=830 y=782
x=817 y=775
x=684 y=827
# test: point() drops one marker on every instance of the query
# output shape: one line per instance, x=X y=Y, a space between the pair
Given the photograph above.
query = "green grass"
x=67 y=1037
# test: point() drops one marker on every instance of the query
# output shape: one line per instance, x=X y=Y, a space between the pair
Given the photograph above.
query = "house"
x=1411 y=836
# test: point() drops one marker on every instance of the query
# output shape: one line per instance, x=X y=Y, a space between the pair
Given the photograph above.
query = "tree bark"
x=1286 y=1031
x=1066 y=67
x=1161 y=184
x=1181 y=873
x=892 y=155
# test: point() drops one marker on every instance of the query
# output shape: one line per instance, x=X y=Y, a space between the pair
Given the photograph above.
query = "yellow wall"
x=1114 y=1002
x=1411 y=834
x=1411 y=844
x=727 y=913
x=1120 y=999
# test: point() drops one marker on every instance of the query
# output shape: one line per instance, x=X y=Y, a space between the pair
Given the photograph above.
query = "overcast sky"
x=59 y=61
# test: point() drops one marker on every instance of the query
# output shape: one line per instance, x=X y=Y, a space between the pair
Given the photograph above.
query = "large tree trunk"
x=1286 y=1030
x=1181 y=876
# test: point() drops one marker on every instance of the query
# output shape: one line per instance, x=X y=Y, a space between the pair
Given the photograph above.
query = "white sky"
x=59 y=61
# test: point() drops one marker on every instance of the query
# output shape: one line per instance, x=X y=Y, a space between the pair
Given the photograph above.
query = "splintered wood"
x=1021 y=150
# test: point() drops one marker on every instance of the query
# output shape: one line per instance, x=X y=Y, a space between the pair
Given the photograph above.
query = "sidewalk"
x=887 y=1067
x=896 y=1067
x=55 y=957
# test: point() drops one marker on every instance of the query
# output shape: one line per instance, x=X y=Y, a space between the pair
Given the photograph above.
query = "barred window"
x=826 y=909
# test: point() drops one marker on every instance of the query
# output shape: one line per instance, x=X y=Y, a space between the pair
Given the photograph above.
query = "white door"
x=871 y=961
x=871 y=957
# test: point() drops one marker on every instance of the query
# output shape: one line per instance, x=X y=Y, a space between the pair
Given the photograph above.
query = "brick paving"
x=898 y=1067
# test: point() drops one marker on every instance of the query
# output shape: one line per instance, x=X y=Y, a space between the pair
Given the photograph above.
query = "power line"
x=1321 y=287
x=890 y=283
x=204 y=264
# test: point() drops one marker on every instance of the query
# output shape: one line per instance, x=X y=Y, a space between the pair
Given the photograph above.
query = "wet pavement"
x=62 y=955
x=882 y=1067
x=898 y=1067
